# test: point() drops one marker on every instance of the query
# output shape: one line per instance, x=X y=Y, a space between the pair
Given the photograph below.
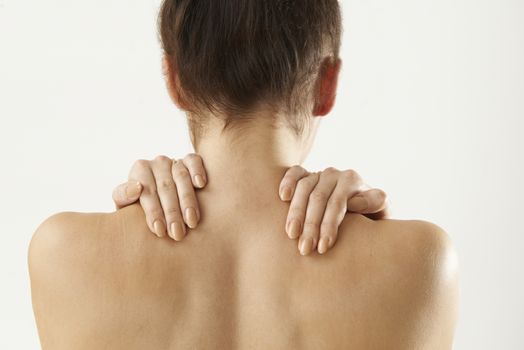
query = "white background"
x=430 y=109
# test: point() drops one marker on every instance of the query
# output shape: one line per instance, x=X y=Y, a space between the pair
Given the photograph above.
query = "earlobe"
x=325 y=108
x=327 y=87
x=165 y=67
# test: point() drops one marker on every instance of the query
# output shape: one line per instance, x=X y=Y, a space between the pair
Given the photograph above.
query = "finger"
x=141 y=171
x=378 y=208
x=186 y=194
x=126 y=194
x=298 y=206
x=316 y=208
x=289 y=182
x=368 y=202
x=167 y=194
x=195 y=166
x=349 y=184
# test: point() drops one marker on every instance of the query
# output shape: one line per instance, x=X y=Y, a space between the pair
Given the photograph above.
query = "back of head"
x=233 y=56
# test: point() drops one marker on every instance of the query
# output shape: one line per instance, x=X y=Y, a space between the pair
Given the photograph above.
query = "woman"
x=254 y=78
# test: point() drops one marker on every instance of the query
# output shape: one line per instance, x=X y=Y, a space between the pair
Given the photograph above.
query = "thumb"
x=368 y=202
x=127 y=194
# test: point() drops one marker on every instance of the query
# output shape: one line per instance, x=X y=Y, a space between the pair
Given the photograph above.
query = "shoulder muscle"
x=62 y=275
x=427 y=271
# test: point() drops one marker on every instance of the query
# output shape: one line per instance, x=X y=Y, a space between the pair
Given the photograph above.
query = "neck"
x=248 y=159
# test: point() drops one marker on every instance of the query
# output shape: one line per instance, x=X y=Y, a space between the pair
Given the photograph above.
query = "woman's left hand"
x=319 y=202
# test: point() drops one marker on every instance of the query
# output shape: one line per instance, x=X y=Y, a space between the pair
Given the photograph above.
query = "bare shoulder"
x=410 y=244
x=415 y=274
x=69 y=236
x=62 y=269
x=79 y=265
x=421 y=243
x=81 y=241
x=63 y=236
x=68 y=252
x=426 y=259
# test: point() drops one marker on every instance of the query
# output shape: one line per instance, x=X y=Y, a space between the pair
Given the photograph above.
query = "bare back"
x=238 y=282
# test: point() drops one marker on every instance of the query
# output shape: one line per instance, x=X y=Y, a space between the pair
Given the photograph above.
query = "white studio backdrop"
x=430 y=109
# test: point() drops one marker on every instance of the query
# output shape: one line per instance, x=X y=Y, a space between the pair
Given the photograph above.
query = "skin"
x=102 y=281
x=165 y=189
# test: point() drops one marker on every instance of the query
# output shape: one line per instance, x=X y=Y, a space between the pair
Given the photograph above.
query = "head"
x=240 y=60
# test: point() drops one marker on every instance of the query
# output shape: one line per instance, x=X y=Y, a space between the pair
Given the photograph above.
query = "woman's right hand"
x=166 y=190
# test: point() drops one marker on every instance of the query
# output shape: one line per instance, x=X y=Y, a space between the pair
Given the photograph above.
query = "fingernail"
x=359 y=204
x=160 y=229
x=199 y=180
x=294 y=229
x=305 y=247
x=133 y=190
x=191 y=217
x=178 y=230
x=323 y=245
x=285 y=194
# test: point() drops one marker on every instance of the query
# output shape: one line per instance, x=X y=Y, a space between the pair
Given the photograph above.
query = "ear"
x=326 y=91
x=173 y=83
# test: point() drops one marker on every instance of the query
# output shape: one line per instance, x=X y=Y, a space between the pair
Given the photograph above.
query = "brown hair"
x=233 y=55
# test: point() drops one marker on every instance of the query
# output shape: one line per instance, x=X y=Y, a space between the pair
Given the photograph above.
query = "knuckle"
x=155 y=213
x=172 y=211
x=308 y=181
x=314 y=178
x=330 y=171
x=296 y=169
x=302 y=183
x=161 y=159
x=191 y=157
x=165 y=184
x=186 y=197
x=149 y=190
x=180 y=172
x=296 y=213
x=350 y=175
x=338 y=203
x=327 y=228
x=177 y=165
x=311 y=226
x=141 y=163
x=318 y=196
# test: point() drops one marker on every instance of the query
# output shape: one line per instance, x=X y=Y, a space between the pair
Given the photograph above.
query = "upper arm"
x=51 y=234
x=58 y=258
x=57 y=243
x=44 y=248
x=83 y=268
x=430 y=266
x=48 y=248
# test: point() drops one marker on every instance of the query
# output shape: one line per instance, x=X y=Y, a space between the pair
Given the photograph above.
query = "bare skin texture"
x=165 y=189
x=103 y=281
